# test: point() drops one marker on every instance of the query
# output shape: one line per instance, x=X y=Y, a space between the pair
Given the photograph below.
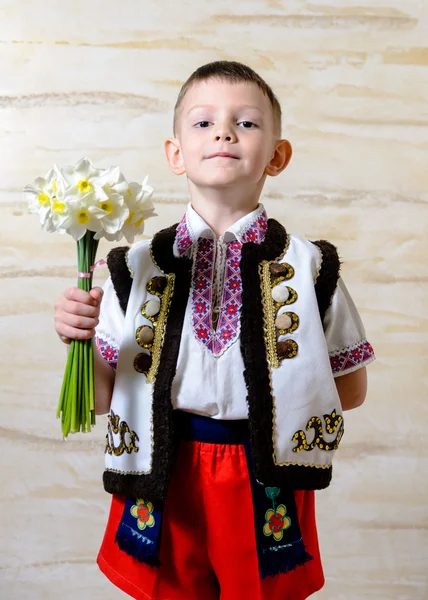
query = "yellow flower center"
x=131 y=216
x=83 y=217
x=54 y=185
x=129 y=192
x=58 y=207
x=138 y=223
x=107 y=206
x=43 y=199
x=84 y=186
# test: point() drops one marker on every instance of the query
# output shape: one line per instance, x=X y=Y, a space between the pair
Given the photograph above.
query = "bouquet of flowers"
x=88 y=203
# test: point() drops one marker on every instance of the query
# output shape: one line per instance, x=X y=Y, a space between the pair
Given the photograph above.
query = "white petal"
x=117 y=199
x=50 y=175
x=84 y=168
x=99 y=193
x=77 y=231
x=111 y=226
x=97 y=212
x=108 y=177
x=68 y=175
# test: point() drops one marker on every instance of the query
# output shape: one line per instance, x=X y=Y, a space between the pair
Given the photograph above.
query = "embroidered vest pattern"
x=121 y=428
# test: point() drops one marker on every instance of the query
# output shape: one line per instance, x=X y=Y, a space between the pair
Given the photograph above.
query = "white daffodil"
x=46 y=195
x=81 y=217
x=138 y=197
x=112 y=214
x=83 y=179
x=112 y=181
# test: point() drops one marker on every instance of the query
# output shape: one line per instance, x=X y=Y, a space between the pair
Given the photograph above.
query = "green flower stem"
x=76 y=405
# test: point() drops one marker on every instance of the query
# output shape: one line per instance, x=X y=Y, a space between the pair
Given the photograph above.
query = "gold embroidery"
x=160 y=327
x=152 y=318
x=281 y=271
x=162 y=287
x=271 y=273
x=140 y=334
x=286 y=349
x=268 y=314
x=333 y=422
x=156 y=285
x=292 y=298
x=131 y=272
x=120 y=427
x=295 y=324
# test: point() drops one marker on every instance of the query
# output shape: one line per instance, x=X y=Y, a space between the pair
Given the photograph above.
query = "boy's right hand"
x=77 y=313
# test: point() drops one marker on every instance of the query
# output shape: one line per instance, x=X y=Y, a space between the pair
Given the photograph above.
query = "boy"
x=237 y=348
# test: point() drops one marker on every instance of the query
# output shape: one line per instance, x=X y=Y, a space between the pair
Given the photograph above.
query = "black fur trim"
x=120 y=275
x=256 y=373
x=328 y=276
x=154 y=485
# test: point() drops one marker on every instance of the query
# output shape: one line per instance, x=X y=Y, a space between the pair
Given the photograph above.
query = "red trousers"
x=208 y=545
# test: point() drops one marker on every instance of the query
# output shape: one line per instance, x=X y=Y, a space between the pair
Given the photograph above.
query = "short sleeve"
x=347 y=344
x=109 y=331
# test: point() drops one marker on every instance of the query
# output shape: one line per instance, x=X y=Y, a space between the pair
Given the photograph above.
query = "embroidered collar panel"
x=249 y=228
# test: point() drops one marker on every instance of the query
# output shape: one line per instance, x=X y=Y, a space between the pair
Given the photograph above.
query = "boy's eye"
x=202 y=124
x=247 y=124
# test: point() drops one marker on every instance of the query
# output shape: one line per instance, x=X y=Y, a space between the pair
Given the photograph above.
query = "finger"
x=76 y=321
x=78 y=295
x=67 y=332
x=77 y=334
x=97 y=293
x=80 y=309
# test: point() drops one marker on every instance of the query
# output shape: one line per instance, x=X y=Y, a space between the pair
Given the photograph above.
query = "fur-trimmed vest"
x=294 y=410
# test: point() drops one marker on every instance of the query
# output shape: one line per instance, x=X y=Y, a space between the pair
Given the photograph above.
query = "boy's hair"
x=233 y=72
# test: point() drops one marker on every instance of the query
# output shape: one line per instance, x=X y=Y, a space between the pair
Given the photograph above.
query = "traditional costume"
x=224 y=401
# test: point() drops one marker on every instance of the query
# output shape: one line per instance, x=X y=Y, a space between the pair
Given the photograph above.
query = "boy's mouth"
x=223 y=155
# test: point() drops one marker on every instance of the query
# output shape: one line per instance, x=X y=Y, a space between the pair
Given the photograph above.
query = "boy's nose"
x=224 y=133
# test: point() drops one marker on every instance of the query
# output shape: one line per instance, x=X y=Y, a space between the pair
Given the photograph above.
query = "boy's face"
x=225 y=135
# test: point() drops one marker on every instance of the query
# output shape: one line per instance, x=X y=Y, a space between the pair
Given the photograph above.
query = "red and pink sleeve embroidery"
x=107 y=350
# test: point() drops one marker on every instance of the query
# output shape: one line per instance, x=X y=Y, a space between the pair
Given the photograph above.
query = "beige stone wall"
x=100 y=79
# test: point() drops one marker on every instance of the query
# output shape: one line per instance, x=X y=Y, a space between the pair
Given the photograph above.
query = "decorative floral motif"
x=276 y=518
x=127 y=437
x=257 y=230
x=352 y=357
x=142 y=511
x=229 y=321
x=184 y=239
x=109 y=352
x=333 y=421
x=220 y=339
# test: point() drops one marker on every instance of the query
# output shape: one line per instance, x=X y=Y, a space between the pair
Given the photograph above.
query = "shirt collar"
x=249 y=228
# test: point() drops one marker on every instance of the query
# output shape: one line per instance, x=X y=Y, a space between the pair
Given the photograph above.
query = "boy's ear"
x=280 y=159
x=174 y=156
